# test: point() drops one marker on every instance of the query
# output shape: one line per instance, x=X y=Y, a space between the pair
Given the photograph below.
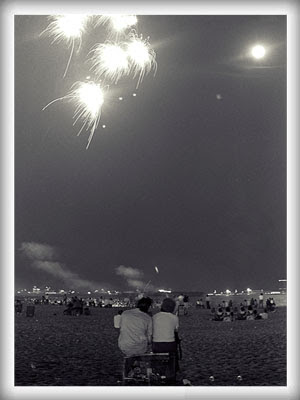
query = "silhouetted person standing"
x=207 y=301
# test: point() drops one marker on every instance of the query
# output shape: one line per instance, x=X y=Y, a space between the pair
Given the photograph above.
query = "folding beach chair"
x=149 y=369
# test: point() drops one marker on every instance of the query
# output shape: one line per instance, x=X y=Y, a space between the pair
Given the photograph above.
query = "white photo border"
x=8 y=10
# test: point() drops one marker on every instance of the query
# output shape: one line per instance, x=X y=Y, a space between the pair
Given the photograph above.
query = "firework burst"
x=68 y=28
x=109 y=60
x=88 y=98
x=141 y=56
x=118 y=23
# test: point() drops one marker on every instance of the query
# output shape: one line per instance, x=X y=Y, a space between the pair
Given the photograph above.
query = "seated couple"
x=139 y=333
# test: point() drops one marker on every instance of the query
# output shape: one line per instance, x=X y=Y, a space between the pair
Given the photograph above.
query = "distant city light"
x=164 y=291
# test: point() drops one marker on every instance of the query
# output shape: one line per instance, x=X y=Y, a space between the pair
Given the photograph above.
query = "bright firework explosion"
x=88 y=98
x=110 y=60
x=117 y=23
x=67 y=28
x=141 y=56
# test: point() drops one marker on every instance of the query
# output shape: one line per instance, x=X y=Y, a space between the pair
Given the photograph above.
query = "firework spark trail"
x=156 y=269
x=68 y=28
x=88 y=98
x=147 y=285
x=117 y=23
x=109 y=60
x=141 y=55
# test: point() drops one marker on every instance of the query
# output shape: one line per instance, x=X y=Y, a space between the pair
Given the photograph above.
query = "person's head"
x=120 y=312
x=168 y=305
x=144 y=304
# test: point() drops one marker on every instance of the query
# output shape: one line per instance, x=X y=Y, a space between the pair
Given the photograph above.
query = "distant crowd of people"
x=247 y=310
x=237 y=313
x=79 y=306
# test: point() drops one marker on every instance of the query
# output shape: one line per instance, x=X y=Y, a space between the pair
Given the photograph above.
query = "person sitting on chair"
x=228 y=316
x=242 y=315
x=165 y=330
x=250 y=315
x=219 y=314
x=136 y=329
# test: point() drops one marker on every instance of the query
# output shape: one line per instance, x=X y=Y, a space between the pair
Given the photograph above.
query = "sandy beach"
x=52 y=349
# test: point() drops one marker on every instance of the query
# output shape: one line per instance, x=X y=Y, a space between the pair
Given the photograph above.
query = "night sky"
x=179 y=178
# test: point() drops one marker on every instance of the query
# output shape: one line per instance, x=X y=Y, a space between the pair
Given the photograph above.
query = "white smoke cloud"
x=42 y=257
x=61 y=271
x=38 y=251
x=133 y=277
x=129 y=272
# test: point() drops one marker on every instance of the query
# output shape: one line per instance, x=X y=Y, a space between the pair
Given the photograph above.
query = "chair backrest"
x=147 y=367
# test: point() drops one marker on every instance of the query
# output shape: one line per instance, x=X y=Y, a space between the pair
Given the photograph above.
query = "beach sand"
x=52 y=349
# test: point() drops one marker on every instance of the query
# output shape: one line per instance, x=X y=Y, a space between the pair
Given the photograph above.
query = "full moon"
x=258 y=51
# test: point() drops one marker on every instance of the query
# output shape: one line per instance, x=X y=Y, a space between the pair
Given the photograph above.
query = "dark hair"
x=168 y=305
x=144 y=304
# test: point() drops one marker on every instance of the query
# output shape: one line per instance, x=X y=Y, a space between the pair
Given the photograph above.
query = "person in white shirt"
x=117 y=319
x=261 y=300
x=165 y=326
x=136 y=329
